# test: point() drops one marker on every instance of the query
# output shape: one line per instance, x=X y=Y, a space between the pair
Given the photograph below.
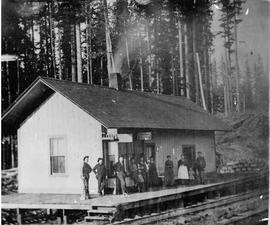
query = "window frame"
x=66 y=156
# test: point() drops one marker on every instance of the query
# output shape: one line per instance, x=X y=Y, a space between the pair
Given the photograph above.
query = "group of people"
x=139 y=172
x=186 y=172
x=144 y=173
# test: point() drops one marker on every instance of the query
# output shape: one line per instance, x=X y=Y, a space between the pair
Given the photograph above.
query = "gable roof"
x=116 y=109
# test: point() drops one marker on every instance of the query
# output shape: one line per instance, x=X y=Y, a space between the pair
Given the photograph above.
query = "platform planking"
x=72 y=201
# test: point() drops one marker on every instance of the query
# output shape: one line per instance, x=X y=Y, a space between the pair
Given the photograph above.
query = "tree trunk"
x=194 y=59
x=200 y=82
x=110 y=60
x=173 y=72
x=206 y=70
x=141 y=61
x=236 y=66
x=128 y=62
x=73 y=54
x=8 y=84
x=89 y=67
x=182 y=81
x=225 y=95
x=149 y=57
x=46 y=48
x=187 y=64
x=210 y=85
x=58 y=52
x=18 y=76
x=78 y=52
x=51 y=27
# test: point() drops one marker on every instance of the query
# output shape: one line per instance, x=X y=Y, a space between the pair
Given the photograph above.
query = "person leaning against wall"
x=85 y=174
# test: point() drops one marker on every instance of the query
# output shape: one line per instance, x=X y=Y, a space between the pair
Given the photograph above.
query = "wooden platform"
x=72 y=201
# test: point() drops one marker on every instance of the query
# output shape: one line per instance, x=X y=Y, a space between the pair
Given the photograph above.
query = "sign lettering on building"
x=144 y=136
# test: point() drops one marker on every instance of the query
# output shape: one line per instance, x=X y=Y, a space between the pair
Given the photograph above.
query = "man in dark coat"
x=121 y=174
x=142 y=174
x=200 y=166
x=168 y=173
x=85 y=171
x=100 y=172
x=133 y=169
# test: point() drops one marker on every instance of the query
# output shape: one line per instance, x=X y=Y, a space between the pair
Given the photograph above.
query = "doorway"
x=150 y=151
x=189 y=153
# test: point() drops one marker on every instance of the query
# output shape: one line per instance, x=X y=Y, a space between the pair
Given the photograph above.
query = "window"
x=57 y=155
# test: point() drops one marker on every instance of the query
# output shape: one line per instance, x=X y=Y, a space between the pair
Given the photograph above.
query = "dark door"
x=189 y=154
x=149 y=151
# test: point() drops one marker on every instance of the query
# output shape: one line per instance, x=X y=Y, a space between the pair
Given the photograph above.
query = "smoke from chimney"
x=115 y=81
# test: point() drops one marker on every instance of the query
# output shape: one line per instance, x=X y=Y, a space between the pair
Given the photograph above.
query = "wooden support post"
x=115 y=186
x=19 y=216
x=64 y=218
x=48 y=211
x=12 y=152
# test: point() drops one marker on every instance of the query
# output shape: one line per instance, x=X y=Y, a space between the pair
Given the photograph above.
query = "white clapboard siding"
x=57 y=117
x=170 y=143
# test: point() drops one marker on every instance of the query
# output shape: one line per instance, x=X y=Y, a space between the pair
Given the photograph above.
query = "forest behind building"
x=162 y=46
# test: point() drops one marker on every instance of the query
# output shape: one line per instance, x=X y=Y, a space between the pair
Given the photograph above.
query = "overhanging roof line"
x=17 y=101
x=116 y=109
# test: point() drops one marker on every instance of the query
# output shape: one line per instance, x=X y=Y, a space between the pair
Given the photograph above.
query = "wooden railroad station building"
x=59 y=122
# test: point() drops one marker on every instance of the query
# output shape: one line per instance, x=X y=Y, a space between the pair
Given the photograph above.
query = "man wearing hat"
x=85 y=171
x=100 y=172
x=200 y=166
x=121 y=174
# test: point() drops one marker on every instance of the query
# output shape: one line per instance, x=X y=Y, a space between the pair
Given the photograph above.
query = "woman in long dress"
x=182 y=171
x=142 y=175
x=133 y=169
x=168 y=173
x=152 y=174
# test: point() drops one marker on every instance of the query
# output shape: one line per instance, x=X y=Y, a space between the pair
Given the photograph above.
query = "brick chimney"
x=115 y=81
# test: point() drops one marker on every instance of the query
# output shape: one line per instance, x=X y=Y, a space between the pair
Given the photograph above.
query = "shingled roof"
x=117 y=109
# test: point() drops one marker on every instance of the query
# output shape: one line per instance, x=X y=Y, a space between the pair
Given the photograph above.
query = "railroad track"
x=199 y=208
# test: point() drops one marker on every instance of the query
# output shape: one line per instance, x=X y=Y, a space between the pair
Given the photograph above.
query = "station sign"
x=125 y=138
x=144 y=136
x=110 y=137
